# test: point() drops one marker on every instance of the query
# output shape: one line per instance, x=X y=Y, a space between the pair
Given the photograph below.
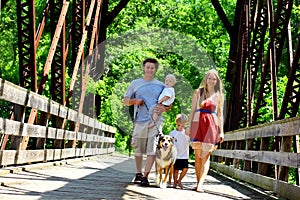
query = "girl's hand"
x=188 y=131
x=221 y=137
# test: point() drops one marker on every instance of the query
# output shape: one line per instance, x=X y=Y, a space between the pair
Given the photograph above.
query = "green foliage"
x=8 y=43
x=197 y=18
x=5 y=109
x=295 y=20
x=292 y=176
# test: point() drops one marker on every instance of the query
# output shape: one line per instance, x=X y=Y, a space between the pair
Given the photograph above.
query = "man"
x=143 y=94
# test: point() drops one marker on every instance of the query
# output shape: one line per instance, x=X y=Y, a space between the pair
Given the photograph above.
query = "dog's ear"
x=160 y=138
x=158 y=146
x=159 y=135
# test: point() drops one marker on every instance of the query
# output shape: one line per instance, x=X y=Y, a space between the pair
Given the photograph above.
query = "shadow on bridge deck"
x=109 y=177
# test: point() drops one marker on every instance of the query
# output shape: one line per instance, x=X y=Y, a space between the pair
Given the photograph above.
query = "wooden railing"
x=238 y=154
x=94 y=137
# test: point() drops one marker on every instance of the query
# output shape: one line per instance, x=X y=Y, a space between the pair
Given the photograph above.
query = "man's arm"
x=129 y=102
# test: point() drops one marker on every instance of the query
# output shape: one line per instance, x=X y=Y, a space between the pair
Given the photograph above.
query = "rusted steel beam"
x=278 y=32
x=58 y=67
x=78 y=15
x=256 y=51
x=240 y=116
x=290 y=106
x=86 y=75
x=88 y=102
x=266 y=88
x=281 y=23
x=42 y=24
x=26 y=41
x=234 y=107
x=27 y=59
x=234 y=40
x=47 y=66
x=280 y=27
x=294 y=99
x=255 y=57
x=243 y=119
x=53 y=46
x=237 y=78
x=77 y=65
x=247 y=89
x=80 y=51
x=273 y=62
x=290 y=103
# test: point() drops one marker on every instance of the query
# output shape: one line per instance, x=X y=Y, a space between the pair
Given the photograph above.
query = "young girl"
x=182 y=145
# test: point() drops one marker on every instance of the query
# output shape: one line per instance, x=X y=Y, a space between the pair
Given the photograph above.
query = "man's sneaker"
x=144 y=182
x=138 y=178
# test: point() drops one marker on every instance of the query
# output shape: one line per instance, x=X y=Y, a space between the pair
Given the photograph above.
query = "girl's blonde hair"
x=218 y=89
x=181 y=118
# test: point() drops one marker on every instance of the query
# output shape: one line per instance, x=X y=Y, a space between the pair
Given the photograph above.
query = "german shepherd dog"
x=166 y=154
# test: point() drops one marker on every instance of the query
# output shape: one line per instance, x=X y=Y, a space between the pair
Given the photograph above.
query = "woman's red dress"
x=206 y=129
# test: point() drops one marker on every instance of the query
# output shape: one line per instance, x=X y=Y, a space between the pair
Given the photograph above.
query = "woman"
x=206 y=123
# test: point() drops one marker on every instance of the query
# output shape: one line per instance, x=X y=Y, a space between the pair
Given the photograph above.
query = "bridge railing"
x=239 y=154
x=94 y=137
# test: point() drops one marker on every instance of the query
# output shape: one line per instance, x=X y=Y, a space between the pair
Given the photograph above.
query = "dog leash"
x=152 y=118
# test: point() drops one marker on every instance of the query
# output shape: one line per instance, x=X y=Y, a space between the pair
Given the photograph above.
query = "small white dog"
x=166 y=154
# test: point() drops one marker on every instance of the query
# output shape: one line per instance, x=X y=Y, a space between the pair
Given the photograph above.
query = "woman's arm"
x=221 y=123
x=195 y=101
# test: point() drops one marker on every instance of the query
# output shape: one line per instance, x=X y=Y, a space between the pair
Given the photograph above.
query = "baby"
x=167 y=96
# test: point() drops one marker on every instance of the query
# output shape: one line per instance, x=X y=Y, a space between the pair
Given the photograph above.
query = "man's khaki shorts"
x=144 y=138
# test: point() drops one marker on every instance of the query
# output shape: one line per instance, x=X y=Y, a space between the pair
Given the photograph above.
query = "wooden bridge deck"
x=109 y=177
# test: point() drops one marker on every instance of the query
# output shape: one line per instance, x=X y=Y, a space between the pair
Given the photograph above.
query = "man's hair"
x=151 y=60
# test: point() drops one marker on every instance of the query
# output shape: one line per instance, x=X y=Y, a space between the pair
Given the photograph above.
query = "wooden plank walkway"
x=109 y=177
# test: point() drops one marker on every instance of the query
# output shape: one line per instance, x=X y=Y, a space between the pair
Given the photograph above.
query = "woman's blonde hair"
x=218 y=89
